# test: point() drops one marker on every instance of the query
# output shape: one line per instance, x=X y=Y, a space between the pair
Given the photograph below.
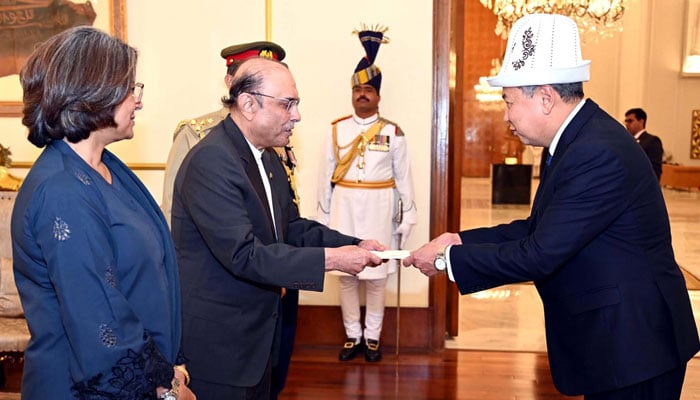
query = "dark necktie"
x=543 y=173
x=267 y=164
x=546 y=165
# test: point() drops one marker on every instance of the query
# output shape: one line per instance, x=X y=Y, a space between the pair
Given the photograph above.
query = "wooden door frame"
x=445 y=174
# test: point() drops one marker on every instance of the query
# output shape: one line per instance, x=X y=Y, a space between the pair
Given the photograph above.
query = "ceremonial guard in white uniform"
x=365 y=178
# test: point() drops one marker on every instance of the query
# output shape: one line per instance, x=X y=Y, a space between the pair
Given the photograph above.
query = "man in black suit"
x=240 y=239
x=636 y=122
x=597 y=243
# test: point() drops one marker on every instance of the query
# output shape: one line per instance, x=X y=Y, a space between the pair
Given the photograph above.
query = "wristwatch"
x=440 y=262
x=172 y=393
x=169 y=395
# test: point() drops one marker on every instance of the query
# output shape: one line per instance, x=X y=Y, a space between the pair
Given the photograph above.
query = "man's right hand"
x=424 y=257
x=350 y=259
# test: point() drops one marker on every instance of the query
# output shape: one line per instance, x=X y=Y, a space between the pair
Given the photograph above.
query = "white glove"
x=323 y=218
x=404 y=230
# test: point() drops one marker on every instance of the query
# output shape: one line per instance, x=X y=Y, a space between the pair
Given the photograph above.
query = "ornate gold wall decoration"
x=25 y=23
x=7 y=181
x=695 y=136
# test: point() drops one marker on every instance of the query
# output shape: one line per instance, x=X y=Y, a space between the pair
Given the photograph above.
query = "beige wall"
x=184 y=76
x=183 y=73
x=179 y=45
x=641 y=68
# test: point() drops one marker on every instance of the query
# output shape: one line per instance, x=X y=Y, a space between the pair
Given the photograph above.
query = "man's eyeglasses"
x=286 y=101
x=137 y=91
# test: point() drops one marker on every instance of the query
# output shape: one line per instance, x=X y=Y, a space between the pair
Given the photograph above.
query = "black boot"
x=350 y=349
x=372 y=351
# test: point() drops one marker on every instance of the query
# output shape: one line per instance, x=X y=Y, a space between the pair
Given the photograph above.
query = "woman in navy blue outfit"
x=93 y=258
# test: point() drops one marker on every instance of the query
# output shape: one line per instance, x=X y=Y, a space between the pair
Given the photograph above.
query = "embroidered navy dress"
x=95 y=268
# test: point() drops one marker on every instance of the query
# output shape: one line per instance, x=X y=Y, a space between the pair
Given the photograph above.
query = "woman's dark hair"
x=73 y=82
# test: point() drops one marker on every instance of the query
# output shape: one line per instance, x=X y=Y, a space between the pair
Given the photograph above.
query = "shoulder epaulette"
x=398 y=131
x=200 y=125
x=341 y=119
x=183 y=123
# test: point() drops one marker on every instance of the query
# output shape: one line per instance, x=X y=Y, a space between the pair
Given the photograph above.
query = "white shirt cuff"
x=449 y=264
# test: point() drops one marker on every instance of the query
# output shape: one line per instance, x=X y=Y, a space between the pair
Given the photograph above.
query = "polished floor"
x=316 y=374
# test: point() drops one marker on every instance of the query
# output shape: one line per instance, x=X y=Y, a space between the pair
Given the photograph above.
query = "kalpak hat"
x=542 y=49
x=240 y=52
x=366 y=71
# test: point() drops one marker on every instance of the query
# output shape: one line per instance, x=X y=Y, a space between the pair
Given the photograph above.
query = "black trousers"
x=212 y=391
x=663 y=387
x=289 y=312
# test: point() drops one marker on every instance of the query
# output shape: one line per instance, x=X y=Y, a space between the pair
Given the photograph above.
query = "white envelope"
x=392 y=254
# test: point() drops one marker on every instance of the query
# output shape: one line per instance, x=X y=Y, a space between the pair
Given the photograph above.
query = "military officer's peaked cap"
x=240 y=52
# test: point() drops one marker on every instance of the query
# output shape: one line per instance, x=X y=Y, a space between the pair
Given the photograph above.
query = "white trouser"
x=375 y=290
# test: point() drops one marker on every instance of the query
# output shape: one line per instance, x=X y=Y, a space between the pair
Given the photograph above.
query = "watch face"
x=440 y=264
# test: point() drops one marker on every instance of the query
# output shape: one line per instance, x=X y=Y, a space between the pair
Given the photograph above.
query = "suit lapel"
x=250 y=165
x=574 y=128
x=644 y=139
x=567 y=137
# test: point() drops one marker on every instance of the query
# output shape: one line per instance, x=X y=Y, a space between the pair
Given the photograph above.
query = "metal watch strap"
x=173 y=392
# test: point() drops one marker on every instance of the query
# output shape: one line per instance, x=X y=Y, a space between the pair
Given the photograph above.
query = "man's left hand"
x=424 y=257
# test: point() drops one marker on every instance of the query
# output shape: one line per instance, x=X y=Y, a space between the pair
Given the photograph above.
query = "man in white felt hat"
x=597 y=243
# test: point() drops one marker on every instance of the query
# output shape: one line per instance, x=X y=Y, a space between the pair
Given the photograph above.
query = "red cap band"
x=250 y=53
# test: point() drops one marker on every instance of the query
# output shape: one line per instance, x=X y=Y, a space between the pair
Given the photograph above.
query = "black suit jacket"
x=597 y=244
x=654 y=149
x=231 y=264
